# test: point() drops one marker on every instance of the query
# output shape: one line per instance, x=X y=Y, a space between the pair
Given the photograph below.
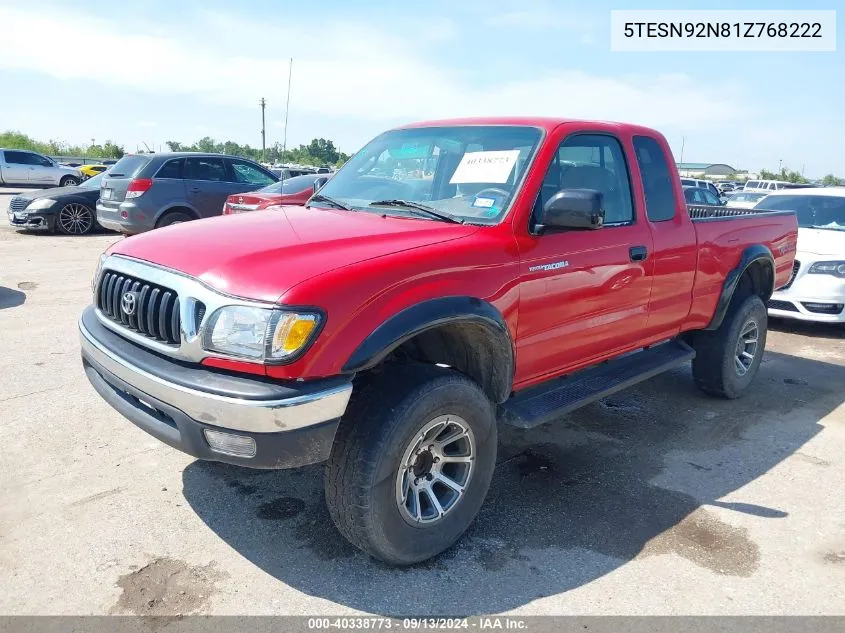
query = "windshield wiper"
x=416 y=206
x=318 y=197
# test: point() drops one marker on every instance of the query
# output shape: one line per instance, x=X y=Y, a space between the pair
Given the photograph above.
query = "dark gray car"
x=147 y=191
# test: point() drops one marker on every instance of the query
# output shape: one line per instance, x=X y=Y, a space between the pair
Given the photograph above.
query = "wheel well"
x=474 y=349
x=757 y=279
x=186 y=210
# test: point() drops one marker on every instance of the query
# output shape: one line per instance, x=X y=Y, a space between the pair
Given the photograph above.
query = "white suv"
x=816 y=290
x=22 y=167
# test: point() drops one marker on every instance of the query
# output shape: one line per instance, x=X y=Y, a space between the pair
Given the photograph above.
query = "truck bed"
x=722 y=234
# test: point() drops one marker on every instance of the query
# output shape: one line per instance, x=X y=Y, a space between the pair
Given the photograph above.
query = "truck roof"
x=546 y=123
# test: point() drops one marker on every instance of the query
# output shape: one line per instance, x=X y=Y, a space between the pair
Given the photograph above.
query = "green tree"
x=830 y=180
x=784 y=174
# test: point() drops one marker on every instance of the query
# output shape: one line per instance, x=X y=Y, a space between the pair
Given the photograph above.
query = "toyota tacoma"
x=452 y=276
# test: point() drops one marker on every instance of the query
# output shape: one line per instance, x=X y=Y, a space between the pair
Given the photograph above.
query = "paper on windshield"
x=485 y=167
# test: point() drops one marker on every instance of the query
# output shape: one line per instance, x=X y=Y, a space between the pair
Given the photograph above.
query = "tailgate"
x=116 y=180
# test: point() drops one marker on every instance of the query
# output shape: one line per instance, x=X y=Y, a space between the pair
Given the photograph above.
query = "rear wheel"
x=727 y=359
x=69 y=181
x=75 y=219
x=173 y=217
x=411 y=463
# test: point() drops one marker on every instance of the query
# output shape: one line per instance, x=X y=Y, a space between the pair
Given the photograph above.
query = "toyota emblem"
x=129 y=303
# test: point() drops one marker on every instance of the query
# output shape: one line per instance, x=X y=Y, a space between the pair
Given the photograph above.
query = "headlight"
x=97 y=271
x=259 y=333
x=836 y=269
x=40 y=203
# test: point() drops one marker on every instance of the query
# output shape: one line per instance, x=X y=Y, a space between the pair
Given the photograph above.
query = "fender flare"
x=434 y=313
x=750 y=255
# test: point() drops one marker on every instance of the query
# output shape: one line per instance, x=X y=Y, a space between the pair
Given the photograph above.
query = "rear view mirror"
x=572 y=209
x=319 y=182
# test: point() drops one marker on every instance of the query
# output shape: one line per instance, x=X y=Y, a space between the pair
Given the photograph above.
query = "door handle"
x=638 y=253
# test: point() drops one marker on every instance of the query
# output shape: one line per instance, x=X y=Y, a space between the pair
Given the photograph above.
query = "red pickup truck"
x=454 y=275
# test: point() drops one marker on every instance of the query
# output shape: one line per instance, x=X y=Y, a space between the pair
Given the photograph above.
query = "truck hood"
x=262 y=255
x=821 y=242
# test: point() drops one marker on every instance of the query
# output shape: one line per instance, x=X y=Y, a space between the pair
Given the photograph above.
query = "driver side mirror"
x=572 y=209
x=318 y=183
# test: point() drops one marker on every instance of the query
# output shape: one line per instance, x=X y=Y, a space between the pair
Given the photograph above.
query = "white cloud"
x=340 y=70
x=147 y=124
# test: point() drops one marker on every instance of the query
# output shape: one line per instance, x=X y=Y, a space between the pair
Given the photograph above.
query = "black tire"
x=384 y=418
x=173 y=217
x=75 y=218
x=69 y=181
x=715 y=367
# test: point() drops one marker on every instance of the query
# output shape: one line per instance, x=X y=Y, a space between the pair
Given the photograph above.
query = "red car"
x=294 y=190
x=451 y=277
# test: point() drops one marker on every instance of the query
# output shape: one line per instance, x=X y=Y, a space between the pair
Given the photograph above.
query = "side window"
x=41 y=161
x=657 y=180
x=205 y=168
x=594 y=161
x=249 y=174
x=15 y=158
x=171 y=169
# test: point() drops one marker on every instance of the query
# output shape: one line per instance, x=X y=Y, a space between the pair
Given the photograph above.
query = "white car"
x=816 y=290
x=22 y=167
x=744 y=199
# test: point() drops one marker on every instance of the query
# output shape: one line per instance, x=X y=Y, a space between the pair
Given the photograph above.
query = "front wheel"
x=411 y=463
x=727 y=359
x=75 y=219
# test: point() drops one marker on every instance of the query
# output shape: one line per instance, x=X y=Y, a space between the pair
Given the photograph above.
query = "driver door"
x=584 y=294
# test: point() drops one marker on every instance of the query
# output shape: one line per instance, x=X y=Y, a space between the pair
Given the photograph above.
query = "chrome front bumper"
x=251 y=415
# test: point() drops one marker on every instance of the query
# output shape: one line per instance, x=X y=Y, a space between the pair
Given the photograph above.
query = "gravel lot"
x=657 y=501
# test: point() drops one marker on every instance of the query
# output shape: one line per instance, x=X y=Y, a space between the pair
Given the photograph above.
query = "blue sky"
x=151 y=71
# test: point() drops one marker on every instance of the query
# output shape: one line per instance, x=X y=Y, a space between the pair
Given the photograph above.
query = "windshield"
x=296 y=184
x=814 y=212
x=93 y=182
x=467 y=172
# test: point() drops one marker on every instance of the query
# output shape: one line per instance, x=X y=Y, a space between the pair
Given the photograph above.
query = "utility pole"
x=263 y=104
x=287 y=107
x=683 y=142
x=780 y=165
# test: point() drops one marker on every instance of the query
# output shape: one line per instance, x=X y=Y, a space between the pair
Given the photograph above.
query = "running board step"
x=558 y=397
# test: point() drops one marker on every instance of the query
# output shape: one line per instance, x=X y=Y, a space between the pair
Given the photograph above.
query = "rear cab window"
x=656 y=179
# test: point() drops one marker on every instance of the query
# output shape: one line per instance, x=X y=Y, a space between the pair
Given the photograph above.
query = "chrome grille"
x=18 y=203
x=796 y=266
x=156 y=313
